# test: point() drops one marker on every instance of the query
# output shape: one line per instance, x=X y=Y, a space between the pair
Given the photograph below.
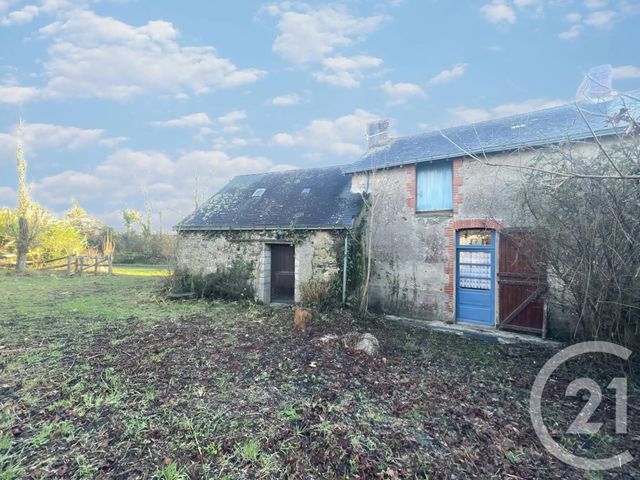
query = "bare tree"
x=372 y=196
x=32 y=219
x=23 y=205
x=369 y=202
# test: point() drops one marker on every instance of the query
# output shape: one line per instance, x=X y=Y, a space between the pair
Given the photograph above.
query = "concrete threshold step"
x=476 y=332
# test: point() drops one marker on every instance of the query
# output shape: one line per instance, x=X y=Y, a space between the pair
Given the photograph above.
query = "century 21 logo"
x=581 y=424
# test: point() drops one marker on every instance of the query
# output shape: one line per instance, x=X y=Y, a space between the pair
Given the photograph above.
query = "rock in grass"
x=361 y=342
x=181 y=296
x=327 y=339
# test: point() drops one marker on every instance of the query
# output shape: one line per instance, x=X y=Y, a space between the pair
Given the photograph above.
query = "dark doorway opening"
x=282 y=273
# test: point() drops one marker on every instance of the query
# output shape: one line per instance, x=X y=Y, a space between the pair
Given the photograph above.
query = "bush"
x=233 y=283
x=59 y=239
x=592 y=231
x=318 y=293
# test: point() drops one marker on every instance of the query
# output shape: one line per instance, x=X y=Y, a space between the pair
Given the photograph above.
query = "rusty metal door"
x=522 y=282
x=282 y=273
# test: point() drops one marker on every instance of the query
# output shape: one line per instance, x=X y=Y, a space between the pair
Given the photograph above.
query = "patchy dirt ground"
x=215 y=390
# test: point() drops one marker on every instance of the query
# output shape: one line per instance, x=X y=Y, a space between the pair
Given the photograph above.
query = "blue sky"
x=124 y=97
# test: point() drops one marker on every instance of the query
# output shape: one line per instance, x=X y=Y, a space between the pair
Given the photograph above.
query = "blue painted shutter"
x=434 y=187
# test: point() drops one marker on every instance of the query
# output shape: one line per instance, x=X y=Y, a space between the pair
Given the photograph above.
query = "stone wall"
x=206 y=252
x=413 y=252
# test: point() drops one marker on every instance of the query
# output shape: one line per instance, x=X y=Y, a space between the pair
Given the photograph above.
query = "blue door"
x=475 y=274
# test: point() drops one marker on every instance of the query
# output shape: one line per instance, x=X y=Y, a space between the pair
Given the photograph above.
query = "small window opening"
x=475 y=237
x=258 y=192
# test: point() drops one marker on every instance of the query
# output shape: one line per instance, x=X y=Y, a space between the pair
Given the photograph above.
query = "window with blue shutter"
x=434 y=186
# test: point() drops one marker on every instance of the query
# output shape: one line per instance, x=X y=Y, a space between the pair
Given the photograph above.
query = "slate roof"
x=329 y=203
x=542 y=127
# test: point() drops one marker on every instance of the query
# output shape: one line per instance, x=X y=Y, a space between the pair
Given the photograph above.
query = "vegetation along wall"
x=317 y=255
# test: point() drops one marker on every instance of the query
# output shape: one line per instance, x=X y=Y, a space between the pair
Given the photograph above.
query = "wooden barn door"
x=282 y=273
x=522 y=282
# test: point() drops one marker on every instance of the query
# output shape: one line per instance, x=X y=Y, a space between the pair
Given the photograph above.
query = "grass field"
x=100 y=377
x=141 y=270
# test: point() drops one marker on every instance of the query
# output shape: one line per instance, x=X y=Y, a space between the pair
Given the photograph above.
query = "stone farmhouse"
x=448 y=239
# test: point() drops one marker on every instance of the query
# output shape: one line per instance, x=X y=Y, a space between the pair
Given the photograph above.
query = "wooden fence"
x=73 y=265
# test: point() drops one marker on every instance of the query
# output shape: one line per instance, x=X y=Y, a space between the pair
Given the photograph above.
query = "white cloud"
x=218 y=167
x=230 y=121
x=232 y=117
x=499 y=12
x=142 y=166
x=283 y=140
x=43 y=136
x=123 y=176
x=625 y=71
x=461 y=116
x=222 y=143
x=193 y=120
x=536 y=7
x=346 y=72
x=27 y=13
x=113 y=142
x=56 y=190
x=573 y=32
x=595 y=4
x=307 y=34
x=342 y=136
x=18 y=17
x=96 y=56
x=600 y=19
x=286 y=100
x=574 y=17
x=447 y=75
x=17 y=95
x=399 y=93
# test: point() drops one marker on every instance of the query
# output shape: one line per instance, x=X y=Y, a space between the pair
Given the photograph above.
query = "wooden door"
x=282 y=273
x=522 y=282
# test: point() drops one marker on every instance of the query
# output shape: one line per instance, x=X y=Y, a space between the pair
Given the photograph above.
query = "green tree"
x=7 y=242
x=130 y=218
x=59 y=239
x=92 y=228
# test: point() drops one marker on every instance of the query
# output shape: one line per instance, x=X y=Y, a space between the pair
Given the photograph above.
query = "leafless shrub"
x=589 y=215
x=319 y=293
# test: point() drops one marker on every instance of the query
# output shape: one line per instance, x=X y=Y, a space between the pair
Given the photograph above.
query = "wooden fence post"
x=81 y=266
x=68 y=265
x=95 y=269
x=110 y=263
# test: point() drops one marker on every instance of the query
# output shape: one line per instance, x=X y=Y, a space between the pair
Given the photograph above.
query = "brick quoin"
x=455 y=225
x=450 y=233
x=411 y=187
x=458 y=181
